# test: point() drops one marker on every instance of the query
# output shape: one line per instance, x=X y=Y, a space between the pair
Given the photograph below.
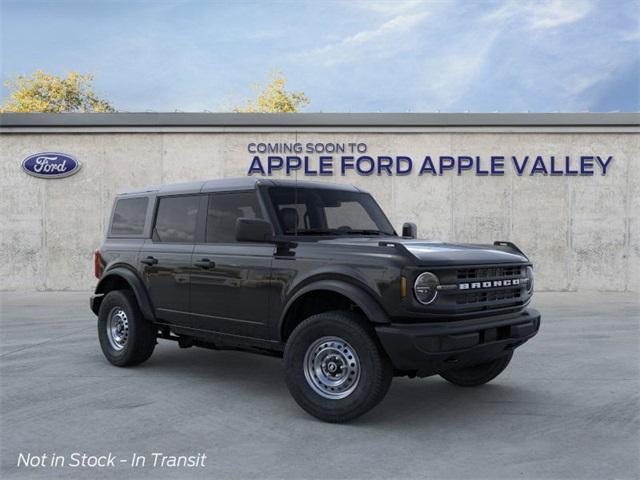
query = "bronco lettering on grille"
x=489 y=284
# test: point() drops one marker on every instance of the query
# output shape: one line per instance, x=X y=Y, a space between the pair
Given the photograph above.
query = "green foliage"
x=42 y=92
x=275 y=99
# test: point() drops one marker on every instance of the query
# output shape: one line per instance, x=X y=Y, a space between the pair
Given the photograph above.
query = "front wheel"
x=335 y=368
x=477 y=374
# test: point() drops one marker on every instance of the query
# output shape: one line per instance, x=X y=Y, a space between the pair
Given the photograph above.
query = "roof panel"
x=235 y=183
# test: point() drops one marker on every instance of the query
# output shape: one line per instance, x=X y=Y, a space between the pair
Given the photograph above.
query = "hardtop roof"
x=235 y=183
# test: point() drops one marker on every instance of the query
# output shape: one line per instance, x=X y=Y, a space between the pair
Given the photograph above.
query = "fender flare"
x=358 y=295
x=136 y=284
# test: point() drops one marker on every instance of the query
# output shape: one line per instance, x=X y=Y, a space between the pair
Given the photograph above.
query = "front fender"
x=364 y=300
x=119 y=274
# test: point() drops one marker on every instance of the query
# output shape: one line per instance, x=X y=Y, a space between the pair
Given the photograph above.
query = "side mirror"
x=409 y=230
x=253 y=230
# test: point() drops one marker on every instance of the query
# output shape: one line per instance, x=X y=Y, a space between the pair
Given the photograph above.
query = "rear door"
x=230 y=281
x=166 y=257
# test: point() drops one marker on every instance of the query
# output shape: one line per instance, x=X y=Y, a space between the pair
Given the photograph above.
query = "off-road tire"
x=375 y=370
x=478 y=374
x=141 y=339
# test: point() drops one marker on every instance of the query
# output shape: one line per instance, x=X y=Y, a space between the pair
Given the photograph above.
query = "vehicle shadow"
x=414 y=403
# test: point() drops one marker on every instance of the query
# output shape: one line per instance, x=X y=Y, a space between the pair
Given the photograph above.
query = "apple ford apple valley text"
x=329 y=159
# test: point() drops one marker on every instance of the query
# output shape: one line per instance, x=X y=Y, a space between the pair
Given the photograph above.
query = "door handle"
x=149 y=260
x=204 y=263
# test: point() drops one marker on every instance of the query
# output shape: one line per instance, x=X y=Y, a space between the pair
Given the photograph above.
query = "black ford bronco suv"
x=312 y=272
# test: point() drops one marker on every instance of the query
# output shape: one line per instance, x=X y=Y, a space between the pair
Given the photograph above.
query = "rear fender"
x=135 y=283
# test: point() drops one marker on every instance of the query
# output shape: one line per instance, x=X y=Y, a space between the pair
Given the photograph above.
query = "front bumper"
x=428 y=348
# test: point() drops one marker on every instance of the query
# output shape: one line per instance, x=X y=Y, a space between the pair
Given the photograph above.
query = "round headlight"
x=425 y=288
x=530 y=279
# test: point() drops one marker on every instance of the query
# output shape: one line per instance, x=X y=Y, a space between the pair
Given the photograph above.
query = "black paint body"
x=250 y=295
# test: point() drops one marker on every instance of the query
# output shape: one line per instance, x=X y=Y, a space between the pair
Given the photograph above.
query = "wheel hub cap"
x=332 y=367
x=118 y=328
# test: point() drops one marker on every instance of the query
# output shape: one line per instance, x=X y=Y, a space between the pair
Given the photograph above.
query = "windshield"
x=319 y=211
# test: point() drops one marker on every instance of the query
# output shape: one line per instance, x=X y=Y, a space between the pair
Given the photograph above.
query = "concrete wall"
x=582 y=233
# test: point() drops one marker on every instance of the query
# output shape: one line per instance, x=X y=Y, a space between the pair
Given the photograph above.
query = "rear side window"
x=129 y=215
x=225 y=209
x=176 y=219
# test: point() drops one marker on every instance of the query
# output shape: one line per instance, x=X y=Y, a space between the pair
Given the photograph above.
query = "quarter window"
x=176 y=219
x=129 y=216
x=224 y=209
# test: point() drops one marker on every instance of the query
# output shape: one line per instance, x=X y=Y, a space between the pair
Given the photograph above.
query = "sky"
x=346 y=56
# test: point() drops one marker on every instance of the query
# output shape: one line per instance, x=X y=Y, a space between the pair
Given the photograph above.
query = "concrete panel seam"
x=452 y=208
x=570 y=256
x=627 y=227
x=510 y=220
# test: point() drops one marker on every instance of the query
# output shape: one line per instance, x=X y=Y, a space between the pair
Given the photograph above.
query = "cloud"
x=384 y=40
x=554 y=13
x=630 y=36
x=452 y=73
x=389 y=7
x=584 y=82
x=263 y=35
x=541 y=15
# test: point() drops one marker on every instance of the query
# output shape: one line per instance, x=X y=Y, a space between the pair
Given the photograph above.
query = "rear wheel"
x=477 y=374
x=335 y=367
x=126 y=338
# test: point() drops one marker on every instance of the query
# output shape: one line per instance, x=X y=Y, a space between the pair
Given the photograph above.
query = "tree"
x=275 y=99
x=42 y=92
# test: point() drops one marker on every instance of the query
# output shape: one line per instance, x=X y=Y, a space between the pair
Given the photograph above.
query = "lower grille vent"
x=490 y=296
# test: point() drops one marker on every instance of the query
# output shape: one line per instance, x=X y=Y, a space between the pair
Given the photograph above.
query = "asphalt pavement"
x=568 y=406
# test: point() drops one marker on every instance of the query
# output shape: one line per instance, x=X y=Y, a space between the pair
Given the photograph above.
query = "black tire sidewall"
x=139 y=343
x=375 y=371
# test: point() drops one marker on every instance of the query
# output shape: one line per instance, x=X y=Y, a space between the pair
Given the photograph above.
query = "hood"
x=434 y=253
x=440 y=253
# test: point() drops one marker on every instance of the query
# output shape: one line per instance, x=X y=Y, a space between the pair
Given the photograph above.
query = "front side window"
x=319 y=211
x=176 y=219
x=129 y=216
x=224 y=209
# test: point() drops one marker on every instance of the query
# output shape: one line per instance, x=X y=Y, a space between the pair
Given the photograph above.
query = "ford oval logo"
x=50 y=165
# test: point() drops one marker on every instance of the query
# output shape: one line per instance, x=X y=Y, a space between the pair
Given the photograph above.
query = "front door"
x=166 y=257
x=230 y=280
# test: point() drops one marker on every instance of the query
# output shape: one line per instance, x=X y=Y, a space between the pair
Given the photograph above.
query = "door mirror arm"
x=284 y=242
x=409 y=230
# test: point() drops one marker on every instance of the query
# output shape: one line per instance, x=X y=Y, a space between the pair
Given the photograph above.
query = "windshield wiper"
x=365 y=232
x=337 y=231
x=315 y=231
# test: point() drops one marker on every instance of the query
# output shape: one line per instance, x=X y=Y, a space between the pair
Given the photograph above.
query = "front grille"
x=479 y=290
x=488 y=297
x=486 y=273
